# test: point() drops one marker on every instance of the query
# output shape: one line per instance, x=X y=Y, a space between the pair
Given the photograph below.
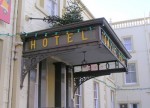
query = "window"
x=123 y=105
x=112 y=100
x=37 y=87
x=134 y=105
x=131 y=75
x=127 y=43
x=78 y=98
x=96 y=95
x=48 y=7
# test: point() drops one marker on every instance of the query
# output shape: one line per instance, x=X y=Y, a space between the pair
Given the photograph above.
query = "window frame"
x=112 y=99
x=136 y=73
x=80 y=95
x=123 y=104
x=43 y=10
x=129 y=104
x=97 y=94
x=132 y=104
x=132 y=46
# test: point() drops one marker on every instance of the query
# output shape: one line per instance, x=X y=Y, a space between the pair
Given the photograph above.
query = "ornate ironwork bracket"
x=29 y=63
x=105 y=68
x=79 y=80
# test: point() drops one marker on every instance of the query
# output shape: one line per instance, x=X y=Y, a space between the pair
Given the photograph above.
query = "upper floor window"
x=128 y=43
x=96 y=95
x=49 y=7
x=131 y=75
x=78 y=97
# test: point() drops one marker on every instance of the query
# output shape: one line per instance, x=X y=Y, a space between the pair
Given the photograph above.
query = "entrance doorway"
x=50 y=85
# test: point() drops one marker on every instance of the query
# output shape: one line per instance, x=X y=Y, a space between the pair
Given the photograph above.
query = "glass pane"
x=53 y=8
x=127 y=43
x=95 y=103
x=95 y=94
x=134 y=106
x=77 y=106
x=133 y=76
x=123 y=106
x=131 y=67
x=79 y=90
x=128 y=78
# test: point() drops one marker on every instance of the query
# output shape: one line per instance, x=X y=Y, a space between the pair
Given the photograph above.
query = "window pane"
x=131 y=76
x=50 y=6
x=123 y=105
x=131 y=67
x=96 y=98
x=128 y=78
x=127 y=43
x=134 y=105
x=78 y=97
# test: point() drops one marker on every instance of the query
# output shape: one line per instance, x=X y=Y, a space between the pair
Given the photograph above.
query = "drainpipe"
x=147 y=43
x=12 y=58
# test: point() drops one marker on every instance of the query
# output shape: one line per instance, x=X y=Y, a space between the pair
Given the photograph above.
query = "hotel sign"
x=56 y=41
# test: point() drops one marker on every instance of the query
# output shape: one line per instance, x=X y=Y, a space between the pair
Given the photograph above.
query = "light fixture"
x=84 y=61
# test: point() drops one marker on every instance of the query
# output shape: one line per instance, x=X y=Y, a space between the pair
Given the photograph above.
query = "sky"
x=118 y=10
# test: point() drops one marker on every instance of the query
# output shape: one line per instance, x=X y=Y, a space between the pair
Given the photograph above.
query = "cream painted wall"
x=104 y=92
x=6 y=60
x=140 y=56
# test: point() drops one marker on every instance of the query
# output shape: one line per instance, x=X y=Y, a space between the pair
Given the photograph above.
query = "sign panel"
x=57 y=41
x=5 y=8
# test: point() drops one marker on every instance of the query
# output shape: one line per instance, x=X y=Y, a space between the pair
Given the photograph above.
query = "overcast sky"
x=118 y=10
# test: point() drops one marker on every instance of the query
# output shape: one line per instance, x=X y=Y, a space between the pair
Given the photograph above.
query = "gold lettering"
x=69 y=37
x=32 y=44
x=57 y=40
x=45 y=42
x=83 y=37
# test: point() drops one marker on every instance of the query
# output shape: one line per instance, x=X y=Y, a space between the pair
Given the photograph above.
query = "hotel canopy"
x=90 y=48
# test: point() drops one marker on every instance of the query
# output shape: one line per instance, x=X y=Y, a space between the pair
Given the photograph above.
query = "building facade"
x=51 y=82
x=133 y=89
x=11 y=44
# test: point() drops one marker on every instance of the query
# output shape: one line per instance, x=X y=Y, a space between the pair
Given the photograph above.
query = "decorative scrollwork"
x=79 y=80
x=30 y=63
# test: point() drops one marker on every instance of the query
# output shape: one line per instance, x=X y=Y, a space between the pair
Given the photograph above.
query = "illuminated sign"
x=5 y=8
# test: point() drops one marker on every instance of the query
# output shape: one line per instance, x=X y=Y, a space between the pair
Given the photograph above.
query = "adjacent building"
x=133 y=89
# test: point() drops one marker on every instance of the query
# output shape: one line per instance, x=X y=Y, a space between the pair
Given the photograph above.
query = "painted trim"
x=137 y=76
x=37 y=5
x=132 y=42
